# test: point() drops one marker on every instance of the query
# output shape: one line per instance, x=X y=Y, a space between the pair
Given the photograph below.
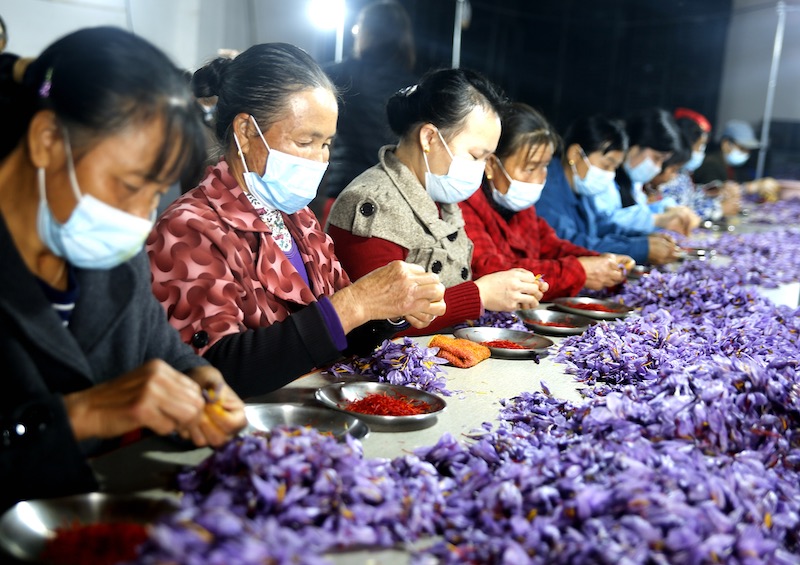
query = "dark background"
x=572 y=58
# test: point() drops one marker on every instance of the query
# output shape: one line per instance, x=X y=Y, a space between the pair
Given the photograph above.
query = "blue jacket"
x=637 y=217
x=575 y=218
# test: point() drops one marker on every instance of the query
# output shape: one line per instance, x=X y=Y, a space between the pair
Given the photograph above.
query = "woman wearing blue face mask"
x=711 y=204
x=406 y=207
x=91 y=138
x=241 y=264
x=594 y=148
x=654 y=136
x=501 y=218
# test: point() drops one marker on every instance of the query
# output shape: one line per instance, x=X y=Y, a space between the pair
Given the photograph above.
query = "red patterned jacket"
x=526 y=241
x=216 y=268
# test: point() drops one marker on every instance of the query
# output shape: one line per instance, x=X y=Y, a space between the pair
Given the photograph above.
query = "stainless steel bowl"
x=620 y=311
x=639 y=271
x=697 y=253
x=27 y=526
x=264 y=417
x=339 y=395
x=534 y=318
x=534 y=345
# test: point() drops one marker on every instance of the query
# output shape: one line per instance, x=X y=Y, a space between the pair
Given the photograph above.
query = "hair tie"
x=20 y=66
x=44 y=90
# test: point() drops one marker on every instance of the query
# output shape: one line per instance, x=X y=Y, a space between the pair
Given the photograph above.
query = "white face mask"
x=463 y=178
x=96 y=235
x=737 y=157
x=596 y=181
x=644 y=171
x=289 y=183
x=520 y=195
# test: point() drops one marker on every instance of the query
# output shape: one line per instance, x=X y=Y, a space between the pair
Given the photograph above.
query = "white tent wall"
x=189 y=31
x=748 y=56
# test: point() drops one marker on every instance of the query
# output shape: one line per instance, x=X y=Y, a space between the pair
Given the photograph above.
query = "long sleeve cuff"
x=333 y=323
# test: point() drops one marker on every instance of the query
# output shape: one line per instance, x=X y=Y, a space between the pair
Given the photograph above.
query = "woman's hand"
x=661 y=250
x=396 y=290
x=222 y=417
x=603 y=271
x=506 y=291
x=679 y=219
x=153 y=396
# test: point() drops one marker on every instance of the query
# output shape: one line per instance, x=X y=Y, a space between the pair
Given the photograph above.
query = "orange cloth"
x=461 y=353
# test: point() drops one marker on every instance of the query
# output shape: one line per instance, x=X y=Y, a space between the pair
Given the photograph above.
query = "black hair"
x=523 y=127
x=690 y=129
x=99 y=81
x=258 y=82
x=443 y=98
x=596 y=133
x=385 y=33
x=654 y=128
x=681 y=155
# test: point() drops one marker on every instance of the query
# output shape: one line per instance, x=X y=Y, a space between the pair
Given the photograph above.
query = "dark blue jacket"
x=116 y=326
x=574 y=218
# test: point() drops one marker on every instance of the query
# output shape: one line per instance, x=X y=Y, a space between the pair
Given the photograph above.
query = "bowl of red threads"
x=554 y=323
x=97 y=528
x=383 y=406
x=507 y=344
x=596 y=308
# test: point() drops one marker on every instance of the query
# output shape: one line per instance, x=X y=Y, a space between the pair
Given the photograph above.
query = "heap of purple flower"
x=290 y=495
x=686 y=450
x=399 y=363
x=491 y=319
x=767 y=258
x=781 y=213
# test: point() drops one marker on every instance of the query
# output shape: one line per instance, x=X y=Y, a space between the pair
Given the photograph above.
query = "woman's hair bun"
x=207 y=80
x=403 y=109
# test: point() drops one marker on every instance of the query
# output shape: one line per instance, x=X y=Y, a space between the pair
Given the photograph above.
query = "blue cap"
x=741 y=133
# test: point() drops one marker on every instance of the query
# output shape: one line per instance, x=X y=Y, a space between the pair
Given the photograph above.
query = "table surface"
x=147 y=465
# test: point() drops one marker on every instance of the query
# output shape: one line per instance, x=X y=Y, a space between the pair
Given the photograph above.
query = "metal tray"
x=535 y=345
x=338 y=395
x=26 y=527
x=577 y=322
x=264 y=417
x=620 y=311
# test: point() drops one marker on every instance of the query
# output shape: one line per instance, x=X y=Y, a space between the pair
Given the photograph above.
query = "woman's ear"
x=574 y=154
x=489 y=166
x=427 y=133
x=242 y=127
x=43 y=133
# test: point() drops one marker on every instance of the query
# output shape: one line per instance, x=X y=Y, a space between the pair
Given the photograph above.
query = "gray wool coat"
x=116 y=326
x=388 y=202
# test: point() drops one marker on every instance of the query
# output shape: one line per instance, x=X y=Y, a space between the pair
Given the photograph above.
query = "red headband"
x=696 y=117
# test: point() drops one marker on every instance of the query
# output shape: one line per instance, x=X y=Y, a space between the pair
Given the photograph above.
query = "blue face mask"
x=737 y=157
x=462 y=180
x=520 y=195
x=596 y=182
x=96 y=235
x=695 y=161
x=289 y=183
x=643 y=172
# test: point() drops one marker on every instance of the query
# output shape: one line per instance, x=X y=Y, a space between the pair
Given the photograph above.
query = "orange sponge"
x=460 y=352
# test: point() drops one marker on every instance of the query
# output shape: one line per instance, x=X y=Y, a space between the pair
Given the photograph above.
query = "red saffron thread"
x=503 y=344
x=381 y=404
x=99 y=544
x=593 y=307
x=550 y=324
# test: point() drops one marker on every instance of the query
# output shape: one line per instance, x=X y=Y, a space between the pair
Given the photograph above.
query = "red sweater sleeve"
x=362 y=255
x=526 y=242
